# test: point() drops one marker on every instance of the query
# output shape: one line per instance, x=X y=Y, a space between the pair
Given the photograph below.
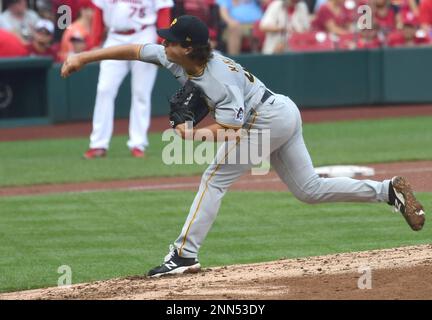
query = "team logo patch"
x=188 y=99
x=240 y=114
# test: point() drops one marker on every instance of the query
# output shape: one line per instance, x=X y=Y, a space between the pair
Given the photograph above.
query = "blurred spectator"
x=311 y=41
x=369 y=38
x=410 y=35
x=44 y=9
x=77 y=37
x=334 y=17
x=264 y=4
x=11 y=45
x=42 y=37
x=240 y=16
x=403 y=6
x=384 y=15
x=318 y=4
x=78 y=43
x=413 y=6
x=206 y=10
x=19 y=19
x=408 y=5
x=425 y=15
x=282 y=18
x=311 y=5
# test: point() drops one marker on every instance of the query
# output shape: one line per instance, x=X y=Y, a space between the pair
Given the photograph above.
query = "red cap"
x=409 y=18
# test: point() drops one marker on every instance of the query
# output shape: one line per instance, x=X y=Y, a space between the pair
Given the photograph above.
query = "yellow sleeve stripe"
x=229 y=126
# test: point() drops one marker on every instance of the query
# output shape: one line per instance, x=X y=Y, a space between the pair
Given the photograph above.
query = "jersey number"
x=232 y=66
x=249 y=75
x=138 y=11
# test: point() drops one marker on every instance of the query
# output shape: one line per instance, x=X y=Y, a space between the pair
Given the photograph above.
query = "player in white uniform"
x=240 y=100
x=127 y=22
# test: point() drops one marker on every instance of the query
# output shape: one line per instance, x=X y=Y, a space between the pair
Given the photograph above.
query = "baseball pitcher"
x=239 y=101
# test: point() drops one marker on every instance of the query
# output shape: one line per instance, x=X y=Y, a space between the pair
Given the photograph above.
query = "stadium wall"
x=315 y=79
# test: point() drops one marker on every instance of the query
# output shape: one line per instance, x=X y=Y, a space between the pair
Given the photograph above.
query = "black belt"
x=267 y=94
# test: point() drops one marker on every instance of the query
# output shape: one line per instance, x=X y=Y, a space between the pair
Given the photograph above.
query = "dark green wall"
x=407 y=76
x=23 y=88
x=318 y=79
x=73 y=98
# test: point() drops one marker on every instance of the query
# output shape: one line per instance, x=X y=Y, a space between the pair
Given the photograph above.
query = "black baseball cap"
x=186 y=29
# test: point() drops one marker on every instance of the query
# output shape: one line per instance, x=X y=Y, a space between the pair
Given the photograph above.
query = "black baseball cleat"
x=402 y=198
x=174 y=264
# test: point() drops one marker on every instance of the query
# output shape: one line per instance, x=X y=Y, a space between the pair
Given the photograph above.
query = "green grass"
x=382 y=140
x=348 y=142
x=60 y=161
x=102 y=235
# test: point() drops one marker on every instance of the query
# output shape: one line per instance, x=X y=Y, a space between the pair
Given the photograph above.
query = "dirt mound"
x=398 y=273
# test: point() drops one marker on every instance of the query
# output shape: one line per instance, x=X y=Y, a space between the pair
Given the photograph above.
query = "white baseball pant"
x=111 y=75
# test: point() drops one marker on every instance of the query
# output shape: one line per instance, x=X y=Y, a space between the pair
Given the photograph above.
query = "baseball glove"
x=187 y=104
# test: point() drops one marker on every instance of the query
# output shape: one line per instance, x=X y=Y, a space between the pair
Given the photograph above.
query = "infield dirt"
x=398 y=273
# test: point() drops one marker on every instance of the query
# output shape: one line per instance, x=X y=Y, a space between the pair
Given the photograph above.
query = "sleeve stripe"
x=229 y=126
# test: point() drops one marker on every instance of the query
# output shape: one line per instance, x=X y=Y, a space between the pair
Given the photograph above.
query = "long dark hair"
x=200 y=53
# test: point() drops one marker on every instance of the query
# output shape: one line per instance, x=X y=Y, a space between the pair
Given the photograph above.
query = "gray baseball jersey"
x=229 y=88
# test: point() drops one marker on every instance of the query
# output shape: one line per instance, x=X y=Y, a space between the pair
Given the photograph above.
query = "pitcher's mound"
x=398 y=273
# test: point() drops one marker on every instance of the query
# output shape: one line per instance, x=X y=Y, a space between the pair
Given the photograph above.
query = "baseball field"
x=107 y=221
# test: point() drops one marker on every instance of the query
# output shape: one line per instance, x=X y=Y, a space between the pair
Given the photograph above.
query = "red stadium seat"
x=310 y=41
x=346 y=42
x=255 y=41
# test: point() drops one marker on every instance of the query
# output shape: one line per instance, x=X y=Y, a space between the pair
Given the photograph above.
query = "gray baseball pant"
x=290 y=159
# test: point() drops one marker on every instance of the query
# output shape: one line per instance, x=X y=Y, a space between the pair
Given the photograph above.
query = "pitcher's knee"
x=221 y=187
x=308 y=193
x=307 y=197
